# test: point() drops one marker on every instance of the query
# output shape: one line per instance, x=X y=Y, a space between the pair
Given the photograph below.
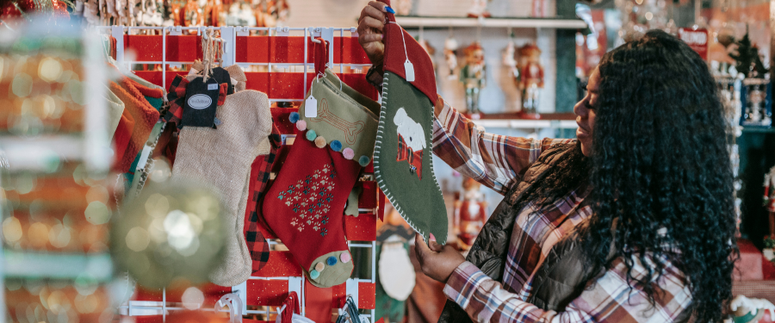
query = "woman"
x=631 y=222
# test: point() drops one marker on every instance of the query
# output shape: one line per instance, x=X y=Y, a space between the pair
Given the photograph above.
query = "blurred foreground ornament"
x=171 y=231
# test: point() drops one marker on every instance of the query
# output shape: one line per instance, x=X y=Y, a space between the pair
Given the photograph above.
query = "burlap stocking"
x=222 y=157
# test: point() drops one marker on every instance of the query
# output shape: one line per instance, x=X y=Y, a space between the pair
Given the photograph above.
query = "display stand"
x=287 y=54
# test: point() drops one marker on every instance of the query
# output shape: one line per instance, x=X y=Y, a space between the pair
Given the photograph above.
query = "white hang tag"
x=409 y=71
x=311 y=107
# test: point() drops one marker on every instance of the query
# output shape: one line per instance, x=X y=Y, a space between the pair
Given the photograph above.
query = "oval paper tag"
x=199 y=101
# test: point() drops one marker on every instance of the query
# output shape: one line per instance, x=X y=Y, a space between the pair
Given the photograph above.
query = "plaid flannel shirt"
x=498 y=162
x=260 y=171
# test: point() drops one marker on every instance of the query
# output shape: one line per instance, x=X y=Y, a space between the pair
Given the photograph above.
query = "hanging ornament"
x=171 y=231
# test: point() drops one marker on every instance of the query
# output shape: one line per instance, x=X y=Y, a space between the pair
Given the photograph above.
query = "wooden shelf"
x=427 y=21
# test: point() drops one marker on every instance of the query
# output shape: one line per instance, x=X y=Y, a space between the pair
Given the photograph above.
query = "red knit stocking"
x=304 y=208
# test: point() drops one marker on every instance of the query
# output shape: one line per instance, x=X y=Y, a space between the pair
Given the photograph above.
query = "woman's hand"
x=370 y=28
x=437 y=261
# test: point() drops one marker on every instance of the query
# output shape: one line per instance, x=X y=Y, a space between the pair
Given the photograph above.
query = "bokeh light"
x=49 y=69
x=192 y=298
x=12 y=230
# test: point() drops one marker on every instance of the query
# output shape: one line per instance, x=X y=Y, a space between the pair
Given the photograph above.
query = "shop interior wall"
x=500 y=94
x=344 y=13
x=756 y=148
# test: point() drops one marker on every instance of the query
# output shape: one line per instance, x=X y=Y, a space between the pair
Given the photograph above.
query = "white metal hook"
x=311 y=36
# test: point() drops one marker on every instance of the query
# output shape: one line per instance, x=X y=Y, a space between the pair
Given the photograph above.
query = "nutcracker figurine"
x=479 y=9
x=450 y=56
x=508 y=59
x=470 y=213
x=474 y=76
x=531 y=77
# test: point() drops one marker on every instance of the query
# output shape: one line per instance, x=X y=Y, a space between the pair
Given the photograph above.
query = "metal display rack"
x=287 y=55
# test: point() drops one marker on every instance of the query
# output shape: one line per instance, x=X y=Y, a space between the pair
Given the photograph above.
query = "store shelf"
x=425 y=21
x=561 y=120
x=758 y=129
x=57 y=266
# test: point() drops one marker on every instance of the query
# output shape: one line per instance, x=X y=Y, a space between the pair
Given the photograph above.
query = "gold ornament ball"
x=172 y=231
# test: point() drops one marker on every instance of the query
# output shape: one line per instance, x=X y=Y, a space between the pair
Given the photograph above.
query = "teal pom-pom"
x=364 y=160
x=336 y=145
x=311 y=135
x=314 y=274
x=293 y=117
x=331 y=261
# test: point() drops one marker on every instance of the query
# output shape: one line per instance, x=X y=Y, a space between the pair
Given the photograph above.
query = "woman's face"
x=585 y=113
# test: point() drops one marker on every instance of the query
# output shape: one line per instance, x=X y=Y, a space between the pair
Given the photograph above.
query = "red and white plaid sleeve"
x=608 y=299
x=496 y=161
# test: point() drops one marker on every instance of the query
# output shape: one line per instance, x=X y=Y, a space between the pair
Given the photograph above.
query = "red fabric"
x=122 y=136
x=222 y=90
x=321 y=57
x=260 y=172
x=768 y=269
x=291 y=306
x=424 y=78
x=147 y=91
x=304 y=206
x=144 y=115
x=749 y=267
x=113 y=42
x=414 y=158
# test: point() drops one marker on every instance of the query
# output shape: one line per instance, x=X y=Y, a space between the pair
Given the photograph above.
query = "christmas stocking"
x=305 y=204
x=222 y=157
x=402 y=157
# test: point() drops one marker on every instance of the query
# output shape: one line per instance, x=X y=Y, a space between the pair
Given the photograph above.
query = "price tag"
x=409 y=71
x=200 y=104
x=311 y=107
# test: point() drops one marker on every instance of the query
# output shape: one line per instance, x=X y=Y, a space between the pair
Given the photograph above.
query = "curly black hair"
x=660 y=161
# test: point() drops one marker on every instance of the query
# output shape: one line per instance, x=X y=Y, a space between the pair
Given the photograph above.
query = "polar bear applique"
x=411 y=141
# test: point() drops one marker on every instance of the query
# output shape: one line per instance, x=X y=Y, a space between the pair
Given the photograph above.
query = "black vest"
x=563 y=275
x=565 y=272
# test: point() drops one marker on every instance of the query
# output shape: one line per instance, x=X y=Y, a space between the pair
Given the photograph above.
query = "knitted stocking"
x=222 y=157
